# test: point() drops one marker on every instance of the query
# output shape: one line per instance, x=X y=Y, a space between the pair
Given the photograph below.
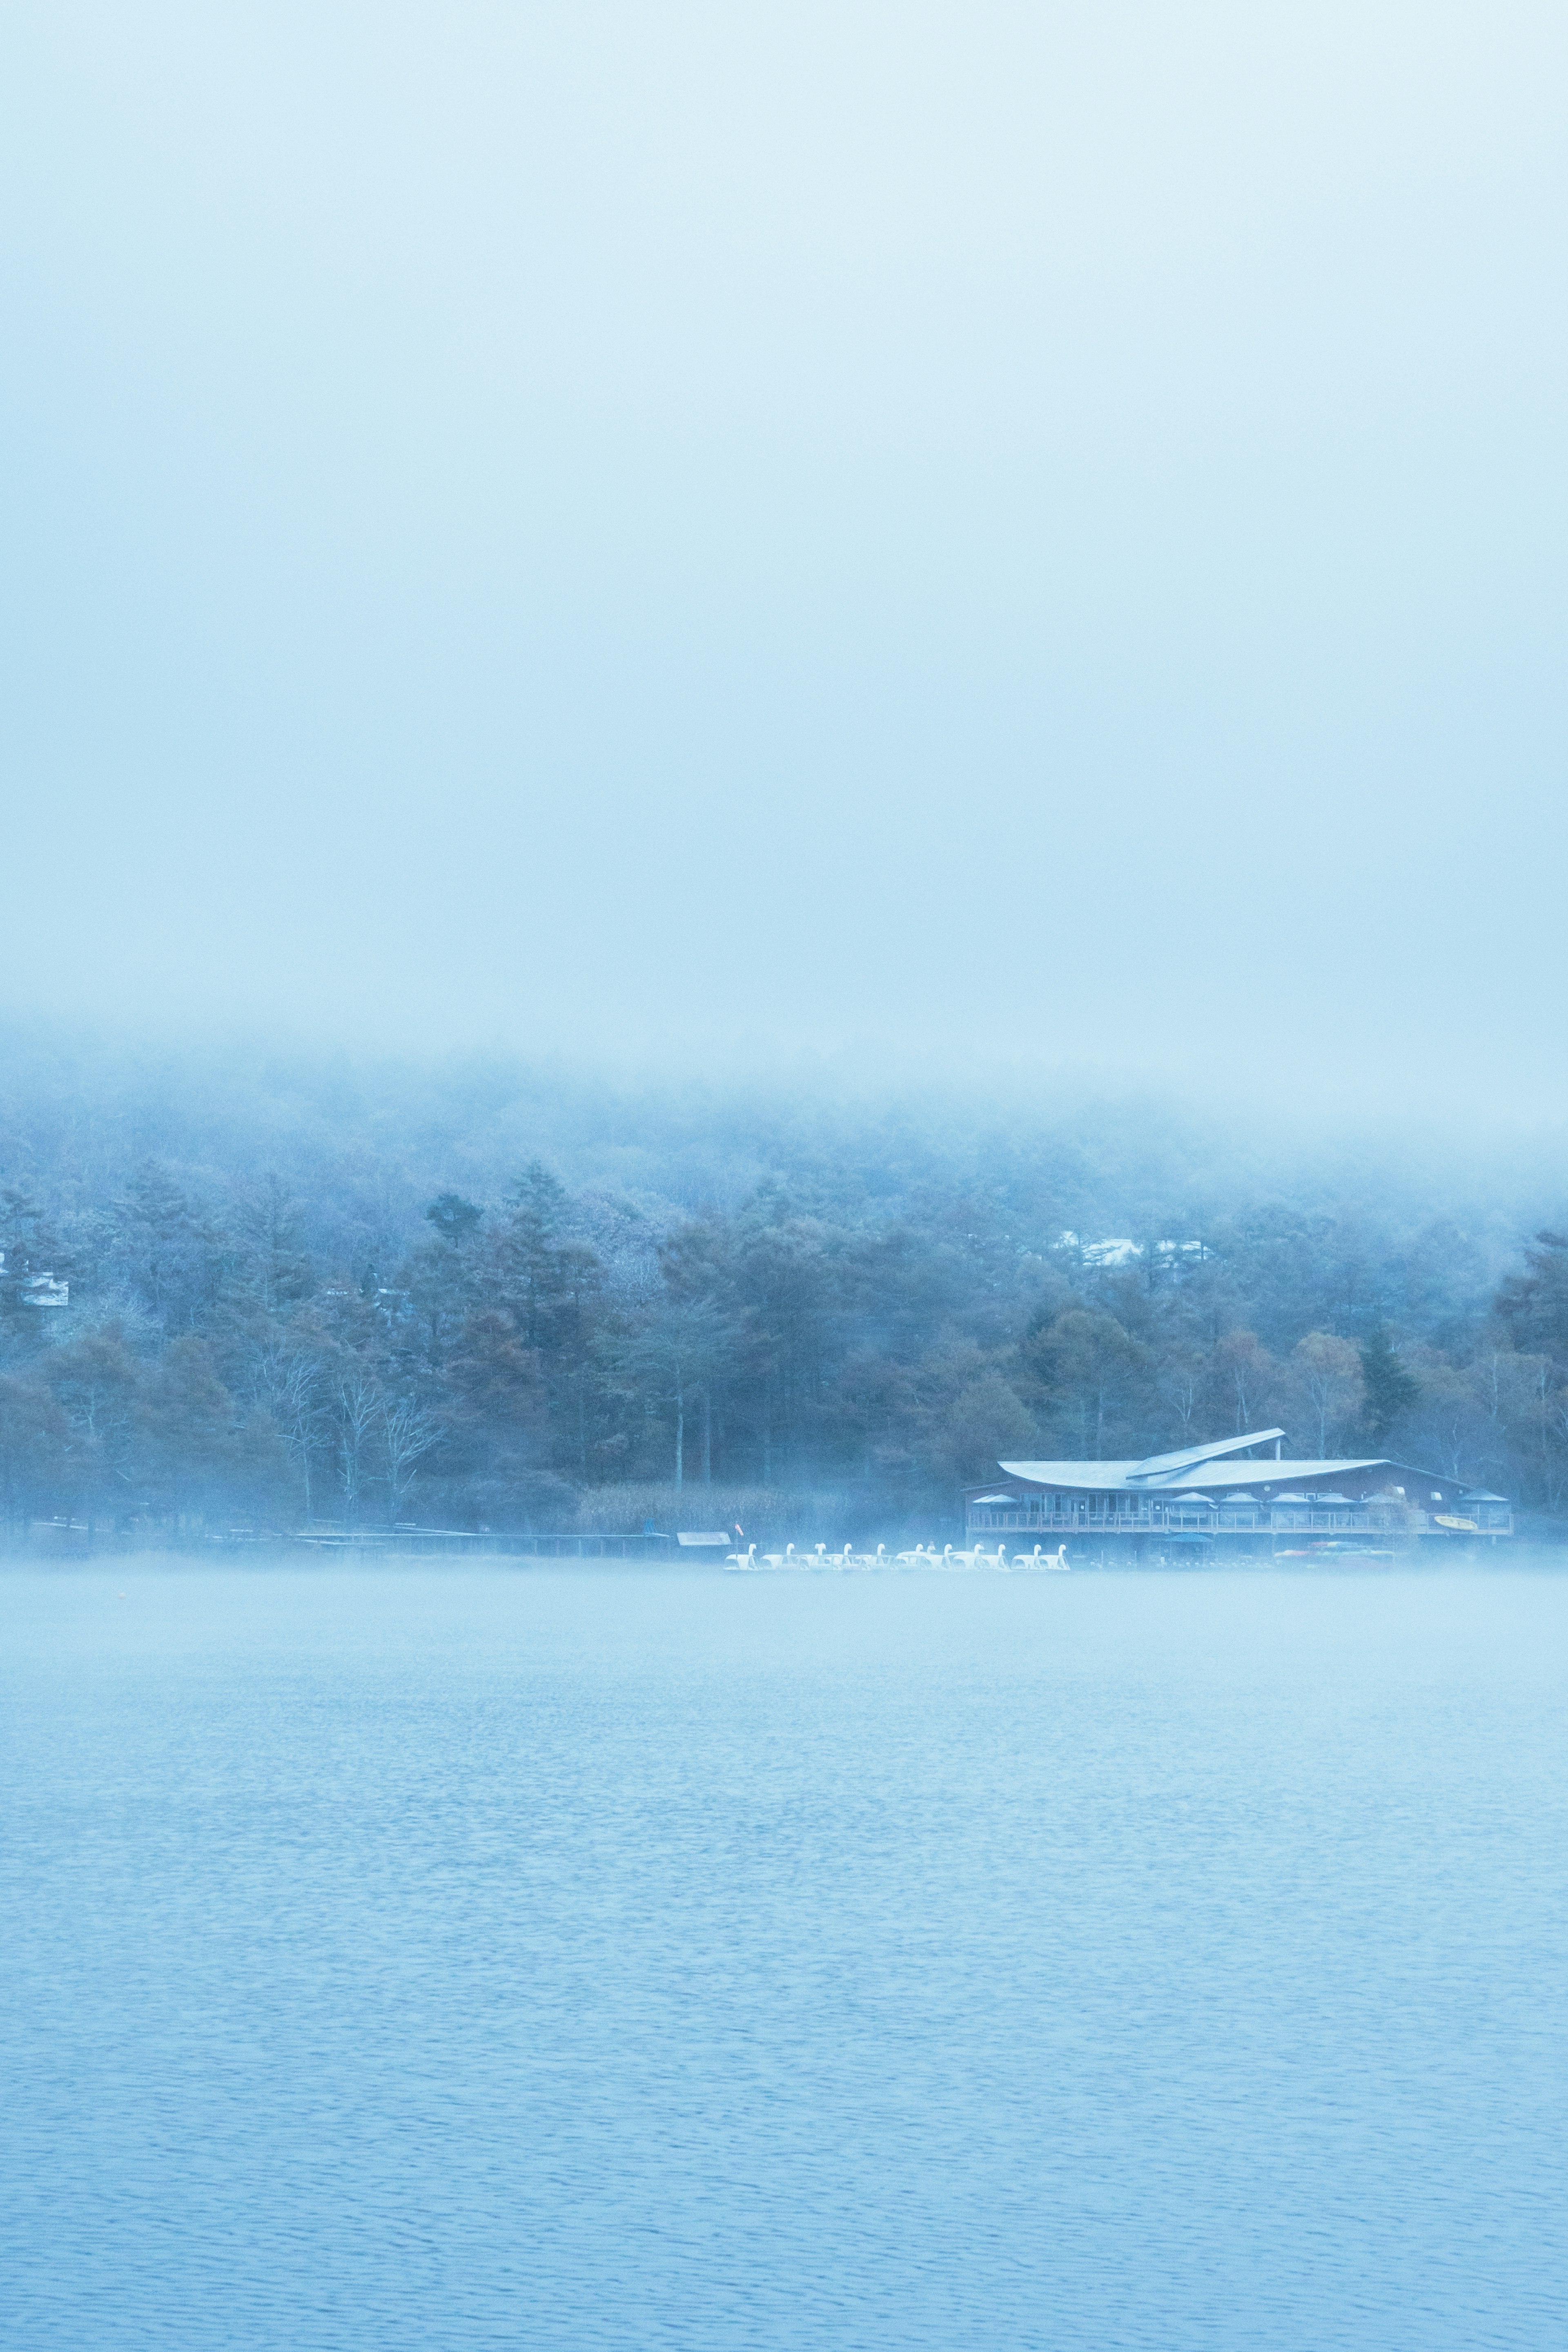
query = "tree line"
x=499 y=1361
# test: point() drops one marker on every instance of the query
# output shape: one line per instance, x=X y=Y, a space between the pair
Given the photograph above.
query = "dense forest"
x=482 y=1296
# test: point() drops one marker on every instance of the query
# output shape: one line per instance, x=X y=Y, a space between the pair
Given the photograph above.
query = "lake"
x=484 y=1957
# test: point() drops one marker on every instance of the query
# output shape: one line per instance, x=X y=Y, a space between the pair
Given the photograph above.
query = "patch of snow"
x=1112 y=1252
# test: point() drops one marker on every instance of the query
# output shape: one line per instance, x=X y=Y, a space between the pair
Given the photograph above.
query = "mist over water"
x=631 y=1959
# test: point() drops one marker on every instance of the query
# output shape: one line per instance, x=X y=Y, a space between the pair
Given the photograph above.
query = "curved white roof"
x=1118 y=1477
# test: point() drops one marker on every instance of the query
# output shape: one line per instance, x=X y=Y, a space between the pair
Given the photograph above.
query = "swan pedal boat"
x=960 y=1562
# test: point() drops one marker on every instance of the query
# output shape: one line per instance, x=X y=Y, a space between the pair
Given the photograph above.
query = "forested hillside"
x=482 y=1297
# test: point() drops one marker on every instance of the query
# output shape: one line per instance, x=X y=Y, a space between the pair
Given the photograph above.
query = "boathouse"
x=1241 y=1493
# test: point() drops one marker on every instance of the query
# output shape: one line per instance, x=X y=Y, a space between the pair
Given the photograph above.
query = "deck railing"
x=1278 y=1519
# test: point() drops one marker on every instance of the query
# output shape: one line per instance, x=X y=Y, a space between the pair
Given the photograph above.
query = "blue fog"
x=1006 y=537
x=489 y=1958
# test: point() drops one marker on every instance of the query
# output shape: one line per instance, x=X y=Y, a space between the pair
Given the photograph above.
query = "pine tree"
x=1389 y=1388
x=454 y=1218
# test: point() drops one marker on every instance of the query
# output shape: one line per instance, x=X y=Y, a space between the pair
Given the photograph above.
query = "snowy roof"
x=1157 y=1466
x=1304 y=1474
x=1094 y=1474
x=1122 y=1249
x=1133 y=1477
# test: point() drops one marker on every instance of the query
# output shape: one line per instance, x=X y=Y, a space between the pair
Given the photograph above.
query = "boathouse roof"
x=1121 y=1477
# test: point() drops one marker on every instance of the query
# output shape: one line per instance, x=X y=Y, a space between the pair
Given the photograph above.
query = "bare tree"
x=357 y=1404
x=1515 y=1392
x=1247 y=1370
x=1329 y=1369
x=1182 y=1386
x=681 y=1347
x=408 y=1432
x=1555 y=1449
x=289 y=1383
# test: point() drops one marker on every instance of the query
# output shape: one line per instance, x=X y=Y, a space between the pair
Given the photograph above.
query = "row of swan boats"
x=922 y=1556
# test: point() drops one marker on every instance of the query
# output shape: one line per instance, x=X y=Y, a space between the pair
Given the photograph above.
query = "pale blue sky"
x=682 y=533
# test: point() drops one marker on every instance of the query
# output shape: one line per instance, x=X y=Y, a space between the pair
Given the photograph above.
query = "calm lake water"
x=449 y=1958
